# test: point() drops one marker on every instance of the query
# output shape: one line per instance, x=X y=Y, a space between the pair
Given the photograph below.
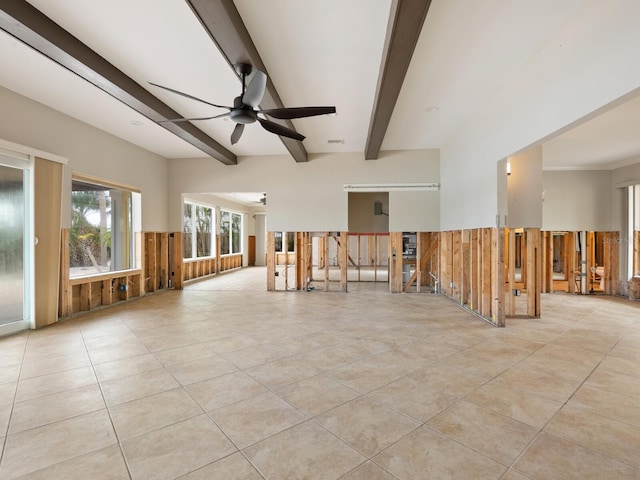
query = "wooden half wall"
x=472 y=271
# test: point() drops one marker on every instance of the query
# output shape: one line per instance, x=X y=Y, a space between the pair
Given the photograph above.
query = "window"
x=291 y=241
x=634 y=230
x=197 y=237
x=230 y=233
x=101 y=236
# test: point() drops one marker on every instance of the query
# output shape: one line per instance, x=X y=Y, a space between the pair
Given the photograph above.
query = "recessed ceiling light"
x=337 y=141
x=432 y=109
x=136 y=123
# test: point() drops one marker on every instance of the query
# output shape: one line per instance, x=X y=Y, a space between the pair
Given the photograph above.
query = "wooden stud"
x=344 y=260
x=497 y=276
x=486 y=299
x=65 y=308
x=474 y=265
x=534 y=272
x=325 y=256
x=178 y=261
x=512 y=271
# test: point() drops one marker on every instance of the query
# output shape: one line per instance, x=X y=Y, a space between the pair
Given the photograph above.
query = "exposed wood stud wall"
x=533 y=271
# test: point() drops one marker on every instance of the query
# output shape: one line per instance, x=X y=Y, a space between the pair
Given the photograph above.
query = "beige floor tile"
x=233 y=467
x=282 y=372
x=224 y=390
x=366 y=375
x=560 y=368
x=9 y=373
x=366 y=425
x=626 y=352
x=5 y=414
x=187 y=353
x=328 y=358
x=494 y=435
x=125 y=389
x=608 y=404
x=55 y=407
x=256 y=418
x=8 y=392
x=168 y=342
x=551 y=458
x=253 y=356
x=106 y=463
x=200 y=369
x=233 y=343
x=316 y=395
x=425 y=454
x=155 y=411
x=44 y=446
x=304 y=451
x=442 y=377
x=569 y=354
x=368 y=471
x=110 y=354
x=517 y=404
x=620 y=365
x=514 y=475
x=176 y=450
x=538 y=382
x=609 y=437
x=54 y=363
x=125 y=367
x=417 y=399
x=615 y=382
x=54 y=383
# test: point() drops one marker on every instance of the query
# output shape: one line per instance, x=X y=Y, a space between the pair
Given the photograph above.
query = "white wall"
x=577 y=200
x=560 y=87
x=310 y=196
x=90 y=151
x=524 y=187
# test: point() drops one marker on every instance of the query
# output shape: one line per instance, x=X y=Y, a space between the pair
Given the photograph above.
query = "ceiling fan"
x=245 y=109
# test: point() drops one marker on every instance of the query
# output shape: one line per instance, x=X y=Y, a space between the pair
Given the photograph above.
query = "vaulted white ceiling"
x=316 y=53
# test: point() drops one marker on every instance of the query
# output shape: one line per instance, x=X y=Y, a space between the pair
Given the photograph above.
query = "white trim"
x=20 y=151
x=390 y=187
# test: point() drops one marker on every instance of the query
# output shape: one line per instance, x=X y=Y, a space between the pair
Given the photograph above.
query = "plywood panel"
x=47 y=209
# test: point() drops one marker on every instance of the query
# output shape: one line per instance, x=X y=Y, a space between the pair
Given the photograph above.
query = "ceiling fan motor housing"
x=241 y=113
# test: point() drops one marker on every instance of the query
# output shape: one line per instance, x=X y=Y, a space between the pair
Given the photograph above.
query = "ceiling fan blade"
x=255 y=90
x=298 y=112
x=280 y=130
x=237 y=133
x=188 y=96
x=177 y=120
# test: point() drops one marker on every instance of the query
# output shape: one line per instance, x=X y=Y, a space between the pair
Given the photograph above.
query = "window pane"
x=225 y=228
x=187 y=229
x=100 y=238
x=278 y=236
x=203 y=231
x=236 y=225
x=291 y=241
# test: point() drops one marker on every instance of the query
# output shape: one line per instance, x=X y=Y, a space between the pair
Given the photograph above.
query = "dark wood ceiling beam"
x=223 y=23
x=403 y=31
x=24 y=22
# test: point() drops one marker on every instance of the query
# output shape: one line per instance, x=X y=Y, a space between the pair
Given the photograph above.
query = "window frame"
x=195 y=205
x=230 y=236
x=124 y=245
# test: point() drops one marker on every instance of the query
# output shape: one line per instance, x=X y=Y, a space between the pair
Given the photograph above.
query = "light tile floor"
x=226 y=381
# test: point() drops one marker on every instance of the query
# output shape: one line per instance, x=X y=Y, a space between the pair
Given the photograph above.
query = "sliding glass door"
x=15 y=245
